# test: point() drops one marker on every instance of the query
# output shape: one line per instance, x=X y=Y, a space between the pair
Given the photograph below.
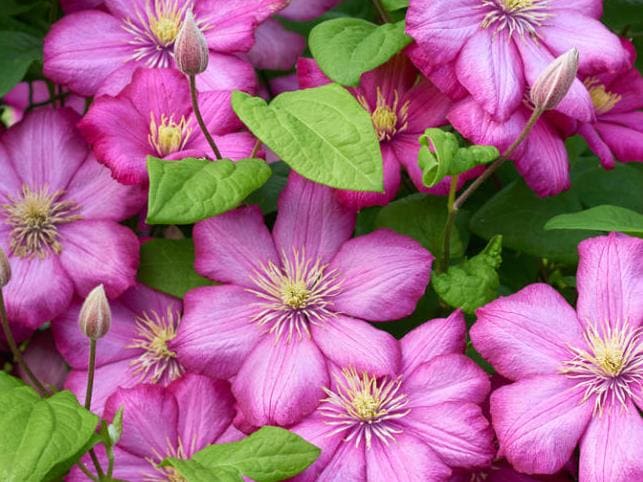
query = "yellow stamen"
x=387 y=119
x=169 y=136
x=513 y=5
x=164 y=20
x=295 y=293
x=603 y=100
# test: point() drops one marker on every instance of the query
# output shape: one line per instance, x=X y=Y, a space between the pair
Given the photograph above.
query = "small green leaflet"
x=270 y=454
x=323 y=133
x=600 y=218
x=345 y=48
x=187 y=191
x=17 y=51
x=474 y=282
x=40 y=439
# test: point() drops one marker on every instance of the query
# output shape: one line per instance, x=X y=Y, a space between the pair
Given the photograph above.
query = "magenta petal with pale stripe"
x=315 y=431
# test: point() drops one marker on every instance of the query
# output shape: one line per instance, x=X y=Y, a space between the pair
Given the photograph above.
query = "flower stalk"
x=452 y=213
x=199 y=118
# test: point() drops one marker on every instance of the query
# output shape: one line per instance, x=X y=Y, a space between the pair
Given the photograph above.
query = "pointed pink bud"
x=191 y=48
x=554 y=82
x=5 y=269
x=95 y=315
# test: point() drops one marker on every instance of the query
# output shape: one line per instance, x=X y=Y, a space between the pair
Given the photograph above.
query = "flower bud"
x=191 y=48
x=95 y=315
x=554 y=82
x=5 y=269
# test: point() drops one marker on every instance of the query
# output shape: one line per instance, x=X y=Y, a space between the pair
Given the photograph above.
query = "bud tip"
x=553 y=84
x=95 y=316
x=191 y=47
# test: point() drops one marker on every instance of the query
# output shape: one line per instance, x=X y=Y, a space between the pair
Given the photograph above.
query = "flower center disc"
x=603 y=100
x=168 y=136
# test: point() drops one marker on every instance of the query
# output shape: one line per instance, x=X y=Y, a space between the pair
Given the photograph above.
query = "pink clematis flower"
x=421 y=420
x=17 y=99
x=495 y=49
x=402 y=106
x=158 y=422
x=160 y=123
x=135 y=350
x=295 y=300
x=141 y=33
x=59 y=214
x=578 y=374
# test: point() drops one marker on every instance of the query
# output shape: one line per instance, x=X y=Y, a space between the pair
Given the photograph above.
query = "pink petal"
x=428 y=107
x=10 y=182
x=456 y=431
x=77 y=57
x=612 y=448
x=45 y=362
x=150 y=419
x=577 y=103
x=115 y=82
x=315 y=430
x=406 y=458
x=309 y=74
x=311 y=220
x=45 y=148
x=357 y=200
x=96 y=252
x=527 y=333
x=446 y=378
x=539 y=421
x=227 y=72
x=600 y=50
x=348 y=342
x=70 y=6
x=217 y=331
x=597 y=145
x=445 y=78
x=276 y=48
x=205 y=410
x=126 y=466
x=307 y=9
x=442 y=30
x=489 y=67
x=610 y=281
x=440 y=336
x=625 y=141
x=280 y=383
x=233 y=246
x=348 y=463
x=591 y=8
x=216 y=108
x=235 y=145
x=388 y=289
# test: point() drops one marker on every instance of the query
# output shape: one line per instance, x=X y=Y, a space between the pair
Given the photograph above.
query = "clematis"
x=578 y=374
x=135 y=350
x=496 y=49
x=160 y=123
x=422 y=420
x=402 y=106
x=294 y=301
x=141 y=33
x=18 y=99
x=158 y=422
x=59 y=214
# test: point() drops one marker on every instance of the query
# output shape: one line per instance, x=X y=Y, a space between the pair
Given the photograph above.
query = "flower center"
x=168 y=136
x=169 y=474
x=34 y=218
x=610 y=366
x=295 y=294
x=365 y=406
x=521 y=16
x=157 y=363
x=387 y=119
x=603 y=100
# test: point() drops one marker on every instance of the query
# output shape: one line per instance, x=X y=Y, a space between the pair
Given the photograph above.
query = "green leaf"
x=392 y=5
x=40 y=439
x=17 y=51
x=600 y=218
x=267 y=196
x=422 y=218
x=167 y=265
x=270 y=454
x=187 y=191
x=620 y=186
x=474 y=282
x=323 y=133
x=345 y=48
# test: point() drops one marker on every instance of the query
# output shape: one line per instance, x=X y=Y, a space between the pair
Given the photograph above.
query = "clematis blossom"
x=293 y=301
x=160 y=123
x=59 y=219
x=422 y=420
x=135 y=350
x=158 y=422
x=141 y=33
x=495 y=49
x=578 y=373
x=402 y=105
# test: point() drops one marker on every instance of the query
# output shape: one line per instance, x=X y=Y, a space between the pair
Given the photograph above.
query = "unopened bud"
x=191 y=48
x=5 y=269
x=95 y=315
x=554 y=82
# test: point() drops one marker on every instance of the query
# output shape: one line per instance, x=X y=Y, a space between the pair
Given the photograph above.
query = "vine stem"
x=17 y=354
x=448 y=227
x=88 y=399
x=199 y=118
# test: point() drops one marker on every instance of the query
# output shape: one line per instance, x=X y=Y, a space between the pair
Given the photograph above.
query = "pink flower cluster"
x=288 y=333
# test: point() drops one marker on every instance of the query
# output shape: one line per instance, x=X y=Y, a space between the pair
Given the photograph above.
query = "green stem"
x=448 y=227
x=88 y=398
x=505 y=155
x=17 y=354
x=199 y=118
x=381 y=11
x=83 y=468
